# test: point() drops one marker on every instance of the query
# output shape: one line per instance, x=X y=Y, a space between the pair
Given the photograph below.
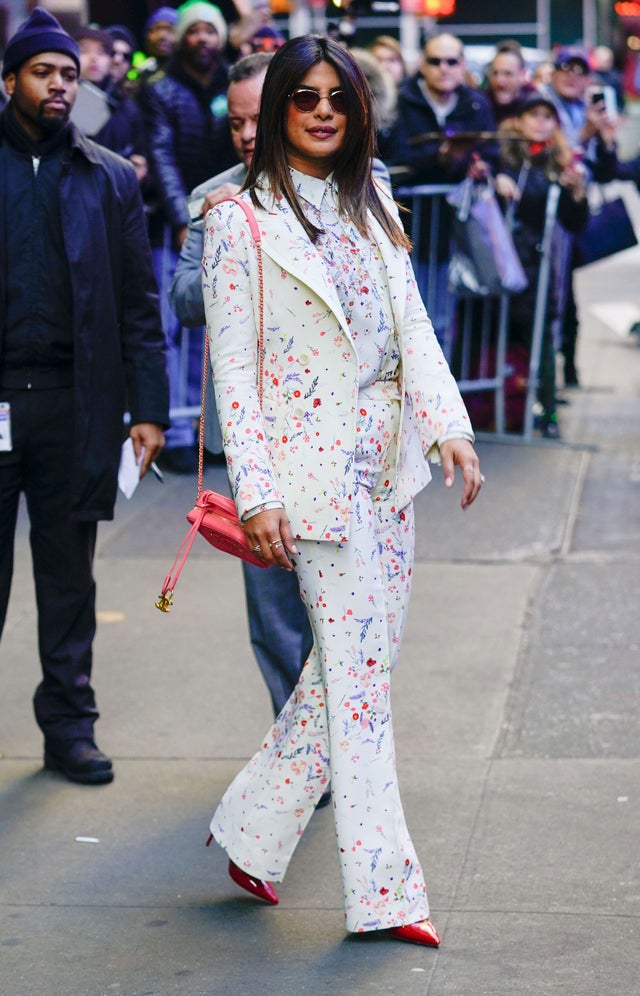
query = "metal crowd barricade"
x=480 y=355
x=478 y=366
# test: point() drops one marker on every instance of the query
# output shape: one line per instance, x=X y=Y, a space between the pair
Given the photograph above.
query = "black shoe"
x=80 y=760
x=179 y=460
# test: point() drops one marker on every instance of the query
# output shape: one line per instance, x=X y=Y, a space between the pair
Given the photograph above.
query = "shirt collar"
x=312 y=189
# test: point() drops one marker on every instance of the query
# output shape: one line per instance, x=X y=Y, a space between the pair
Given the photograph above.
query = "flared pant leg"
x=337 y=724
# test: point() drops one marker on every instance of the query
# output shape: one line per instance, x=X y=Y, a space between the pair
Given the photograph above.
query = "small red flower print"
x=363 y=411
x=371 y=662
x=285 y=439
x=365 y=290
x=307 y=302
x=383 y=891
x=356 y=715
x=232 y=286
x=317 y=402
x=235 y=404
x=275 y=381
x=296 y=394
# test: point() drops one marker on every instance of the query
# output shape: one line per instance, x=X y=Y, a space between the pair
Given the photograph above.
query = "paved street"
x=518 y=732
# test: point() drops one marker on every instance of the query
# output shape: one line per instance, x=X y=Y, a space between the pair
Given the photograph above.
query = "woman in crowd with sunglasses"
x=326 y=435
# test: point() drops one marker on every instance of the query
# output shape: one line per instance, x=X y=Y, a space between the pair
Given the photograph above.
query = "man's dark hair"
x=357 y=192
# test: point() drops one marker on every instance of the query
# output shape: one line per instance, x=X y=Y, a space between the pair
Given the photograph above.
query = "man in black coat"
x=80 y=343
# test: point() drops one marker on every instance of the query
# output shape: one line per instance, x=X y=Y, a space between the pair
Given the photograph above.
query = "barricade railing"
x=472 y=330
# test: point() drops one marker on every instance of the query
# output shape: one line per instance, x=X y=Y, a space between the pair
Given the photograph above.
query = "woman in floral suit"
x=325 y=455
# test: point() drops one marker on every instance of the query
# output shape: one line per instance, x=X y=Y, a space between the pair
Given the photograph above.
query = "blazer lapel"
x=287 y=244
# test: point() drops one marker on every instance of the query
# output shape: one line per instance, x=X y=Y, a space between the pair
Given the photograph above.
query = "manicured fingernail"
x=448 y=482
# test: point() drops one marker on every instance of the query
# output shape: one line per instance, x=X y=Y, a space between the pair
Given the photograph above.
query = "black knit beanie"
x=39 y=33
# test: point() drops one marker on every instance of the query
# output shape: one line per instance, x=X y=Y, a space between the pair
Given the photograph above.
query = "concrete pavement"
x=517 y=724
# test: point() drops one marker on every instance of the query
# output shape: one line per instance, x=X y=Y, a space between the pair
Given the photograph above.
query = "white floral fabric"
x=355 y=392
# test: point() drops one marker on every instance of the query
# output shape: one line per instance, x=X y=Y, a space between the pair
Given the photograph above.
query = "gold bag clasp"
x=165 y=601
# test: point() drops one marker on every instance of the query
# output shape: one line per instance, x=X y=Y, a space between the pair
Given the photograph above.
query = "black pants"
x=62 y=552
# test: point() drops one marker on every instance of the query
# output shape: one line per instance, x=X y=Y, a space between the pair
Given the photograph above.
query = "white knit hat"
x=199 y=10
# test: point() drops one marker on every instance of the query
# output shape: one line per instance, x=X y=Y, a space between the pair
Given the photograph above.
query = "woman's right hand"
x=269 y=536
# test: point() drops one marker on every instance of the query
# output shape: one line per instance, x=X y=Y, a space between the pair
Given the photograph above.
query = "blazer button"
x=298 y=413
x=303 y=358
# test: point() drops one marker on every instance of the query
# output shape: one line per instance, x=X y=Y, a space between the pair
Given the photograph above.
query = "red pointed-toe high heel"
x=258 y=888
x=417 y=933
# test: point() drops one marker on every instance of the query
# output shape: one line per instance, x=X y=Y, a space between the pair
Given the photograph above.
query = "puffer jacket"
x=188 y=135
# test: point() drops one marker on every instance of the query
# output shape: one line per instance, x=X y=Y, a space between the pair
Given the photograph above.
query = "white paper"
x=129 y=470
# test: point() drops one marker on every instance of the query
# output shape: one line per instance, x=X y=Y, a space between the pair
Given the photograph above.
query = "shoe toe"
x=418 y=933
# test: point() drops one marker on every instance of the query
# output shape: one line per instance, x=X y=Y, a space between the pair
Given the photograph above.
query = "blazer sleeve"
x=230 y=292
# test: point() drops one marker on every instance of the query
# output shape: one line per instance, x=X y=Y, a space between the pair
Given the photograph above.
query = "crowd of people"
x=332 y=391
x=169 y=117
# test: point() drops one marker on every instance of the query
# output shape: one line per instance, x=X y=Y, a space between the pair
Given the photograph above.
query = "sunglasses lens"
x=305 y=100
x=336 y=99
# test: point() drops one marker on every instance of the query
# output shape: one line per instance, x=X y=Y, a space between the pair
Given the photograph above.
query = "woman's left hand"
x=462 y=453
x=269 y=536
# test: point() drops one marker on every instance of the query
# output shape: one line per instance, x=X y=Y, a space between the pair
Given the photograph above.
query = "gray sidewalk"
x=517 y=724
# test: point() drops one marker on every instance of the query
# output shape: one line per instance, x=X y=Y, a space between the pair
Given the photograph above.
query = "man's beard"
x=201 y=59
x=52 y=123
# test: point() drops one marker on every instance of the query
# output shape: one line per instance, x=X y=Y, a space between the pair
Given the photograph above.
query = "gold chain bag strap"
x=214 y=516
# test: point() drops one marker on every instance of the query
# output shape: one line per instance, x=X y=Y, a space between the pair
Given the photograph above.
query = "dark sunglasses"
x=433 y=60
x=306 y=99
x=573 y=67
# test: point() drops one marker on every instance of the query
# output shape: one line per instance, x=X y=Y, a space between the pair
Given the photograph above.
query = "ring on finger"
x=256 y=549
x=482 y=478
x=276 y=543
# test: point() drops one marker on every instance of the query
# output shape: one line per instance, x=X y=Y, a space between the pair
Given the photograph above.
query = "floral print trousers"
x=336 y=727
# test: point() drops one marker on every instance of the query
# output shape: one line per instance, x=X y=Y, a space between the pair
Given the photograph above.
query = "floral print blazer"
x=293 y=436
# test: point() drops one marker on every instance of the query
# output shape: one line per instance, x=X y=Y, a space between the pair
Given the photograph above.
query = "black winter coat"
x=416 y=117
x=188 y=136
x=119 y=353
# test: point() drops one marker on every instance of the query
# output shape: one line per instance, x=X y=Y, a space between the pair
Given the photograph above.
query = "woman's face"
x=391 y=62
x=538 y=124
x=315 y=137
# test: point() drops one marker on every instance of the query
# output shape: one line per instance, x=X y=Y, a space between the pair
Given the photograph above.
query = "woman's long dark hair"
x=357 y=192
